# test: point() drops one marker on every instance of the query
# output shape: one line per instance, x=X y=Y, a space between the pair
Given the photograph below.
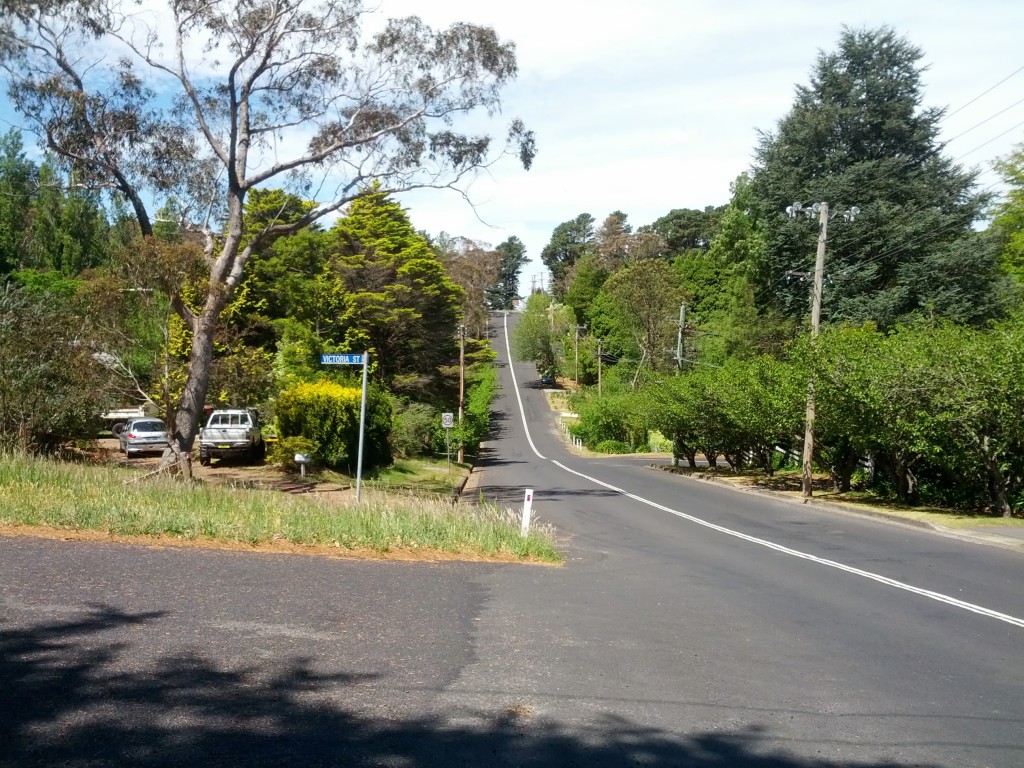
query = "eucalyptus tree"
x=279 y=92
x=641 y=302
x=474 y=267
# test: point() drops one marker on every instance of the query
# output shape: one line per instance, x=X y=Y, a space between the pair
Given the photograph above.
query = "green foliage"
x=283 y=451
x=395 y=297
x=640 y=304
x=17 y=179
x=570 y=242
x=512 y=255
x=1008 y=223
x=857 y=136
x=936 y=406
x=533 y=337
x=687 y=229
x=412 y=425
x=584 y=287
x=764 y=399
x=328 y=414
x=617 y=415
x=476 y=423
x=298 y=354
x=52 y=386
x=612 y=446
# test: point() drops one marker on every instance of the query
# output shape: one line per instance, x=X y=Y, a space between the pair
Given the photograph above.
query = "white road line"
x=522 y=412
x=938 y=596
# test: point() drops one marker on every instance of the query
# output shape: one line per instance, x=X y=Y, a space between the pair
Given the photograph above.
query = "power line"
x=1009 y=130
x=983 y=93
x=986 y=120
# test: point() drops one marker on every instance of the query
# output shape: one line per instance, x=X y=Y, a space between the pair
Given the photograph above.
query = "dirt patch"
x=229 y=472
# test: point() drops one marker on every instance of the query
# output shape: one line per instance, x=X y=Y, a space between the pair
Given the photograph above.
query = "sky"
x=652 y=105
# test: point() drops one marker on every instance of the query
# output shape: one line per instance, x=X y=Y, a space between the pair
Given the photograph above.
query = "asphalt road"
x=692 y=626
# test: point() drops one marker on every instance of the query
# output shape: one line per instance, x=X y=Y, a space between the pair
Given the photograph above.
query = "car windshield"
x=148 y=426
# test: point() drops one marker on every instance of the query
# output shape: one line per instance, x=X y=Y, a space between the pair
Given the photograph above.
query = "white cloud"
x=655 y=104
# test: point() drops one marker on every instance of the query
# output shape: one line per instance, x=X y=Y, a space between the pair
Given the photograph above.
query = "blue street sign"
x=341 y=359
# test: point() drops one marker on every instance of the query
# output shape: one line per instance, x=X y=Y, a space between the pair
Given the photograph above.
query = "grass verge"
x=789 y=483
x=73 y=497
x=432 y=476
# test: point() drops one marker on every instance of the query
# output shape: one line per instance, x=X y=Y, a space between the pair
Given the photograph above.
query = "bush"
x=52 y=386
x=328 y=414
x=412 y=425
x=283 y=452
x=614 y=417
x=612 y=446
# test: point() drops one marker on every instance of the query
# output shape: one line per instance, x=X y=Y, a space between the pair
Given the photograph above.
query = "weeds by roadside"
x=42 y=492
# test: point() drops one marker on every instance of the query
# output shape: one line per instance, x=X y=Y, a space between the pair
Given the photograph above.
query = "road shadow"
x=69 y=699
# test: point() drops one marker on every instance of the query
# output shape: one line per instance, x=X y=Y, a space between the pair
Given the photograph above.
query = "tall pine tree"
x=858 y=135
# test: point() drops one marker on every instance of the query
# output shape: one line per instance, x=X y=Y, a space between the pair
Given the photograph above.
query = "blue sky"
x=655 y=104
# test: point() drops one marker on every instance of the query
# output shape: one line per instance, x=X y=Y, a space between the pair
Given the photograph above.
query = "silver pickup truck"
x=232 y=432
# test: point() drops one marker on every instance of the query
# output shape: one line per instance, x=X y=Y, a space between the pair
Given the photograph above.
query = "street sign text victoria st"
x=335 y=359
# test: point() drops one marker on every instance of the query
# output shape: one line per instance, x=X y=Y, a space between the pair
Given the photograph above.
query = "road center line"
x=938 y=596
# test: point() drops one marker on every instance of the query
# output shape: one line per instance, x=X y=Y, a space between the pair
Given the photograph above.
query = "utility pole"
x=576 y=346
x=819 y=282
x=599 y=368
x=462 y=382
x=679 y=339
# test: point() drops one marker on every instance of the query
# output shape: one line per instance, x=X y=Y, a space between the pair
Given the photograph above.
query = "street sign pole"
x=448 y=421
x=353 y=359
x=362 y=429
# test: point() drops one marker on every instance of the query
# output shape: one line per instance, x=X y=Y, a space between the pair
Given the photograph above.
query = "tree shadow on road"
x=68 y=699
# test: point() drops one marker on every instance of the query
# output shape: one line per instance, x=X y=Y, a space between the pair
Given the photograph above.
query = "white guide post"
x=527 y=508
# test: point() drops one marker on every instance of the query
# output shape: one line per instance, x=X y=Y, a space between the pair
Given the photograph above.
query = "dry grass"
x=74 y=498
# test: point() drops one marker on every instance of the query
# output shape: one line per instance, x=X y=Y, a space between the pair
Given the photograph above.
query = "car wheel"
x=204 y=458
x=117 y=428
x=128 y=454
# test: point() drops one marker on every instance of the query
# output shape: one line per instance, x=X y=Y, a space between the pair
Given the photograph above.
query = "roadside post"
x=354 y=359
x=448 y=421
x=527 y=508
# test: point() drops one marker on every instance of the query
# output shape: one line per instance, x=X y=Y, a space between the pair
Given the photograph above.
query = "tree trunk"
x=997 y=492
x=906 y=481
x=842 y=461
x=189 y=411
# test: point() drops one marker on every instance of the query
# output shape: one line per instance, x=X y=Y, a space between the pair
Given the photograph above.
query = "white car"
x=139 y=435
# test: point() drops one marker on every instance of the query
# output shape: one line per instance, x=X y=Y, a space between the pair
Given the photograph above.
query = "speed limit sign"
x=447 y=420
